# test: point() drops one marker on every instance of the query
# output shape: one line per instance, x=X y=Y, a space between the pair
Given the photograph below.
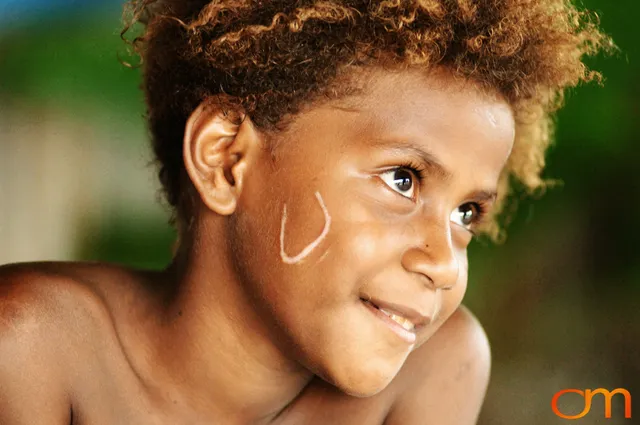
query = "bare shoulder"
x=45 y=313
x=445 y=378
x=42 y=296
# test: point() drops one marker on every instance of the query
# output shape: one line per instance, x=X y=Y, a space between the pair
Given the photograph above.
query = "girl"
x=329 y=162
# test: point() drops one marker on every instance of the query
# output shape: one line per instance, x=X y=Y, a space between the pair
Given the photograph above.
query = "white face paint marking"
x=309 y=248
x=323 y=256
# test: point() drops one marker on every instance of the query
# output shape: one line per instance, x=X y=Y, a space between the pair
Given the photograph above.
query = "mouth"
x=403 y=321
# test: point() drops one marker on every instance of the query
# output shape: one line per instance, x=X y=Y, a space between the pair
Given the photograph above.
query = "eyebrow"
x=484 y=195
x=433 y=165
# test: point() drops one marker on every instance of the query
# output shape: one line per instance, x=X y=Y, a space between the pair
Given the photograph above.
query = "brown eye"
x=402 y=180
x=399 y=180
x=465 y=215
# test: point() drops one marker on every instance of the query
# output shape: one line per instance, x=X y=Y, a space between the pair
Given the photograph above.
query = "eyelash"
x=416 y=168
x=420 y=172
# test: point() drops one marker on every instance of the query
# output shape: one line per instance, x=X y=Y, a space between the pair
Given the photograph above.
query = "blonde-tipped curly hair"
x=271 y=57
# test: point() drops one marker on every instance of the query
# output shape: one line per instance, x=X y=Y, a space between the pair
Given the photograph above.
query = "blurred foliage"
x=72 y=60
x=139 y=243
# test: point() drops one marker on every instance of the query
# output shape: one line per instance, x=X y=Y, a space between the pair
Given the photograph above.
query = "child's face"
x=372 y=229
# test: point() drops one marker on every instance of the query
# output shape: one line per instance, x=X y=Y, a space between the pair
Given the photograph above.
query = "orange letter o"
x=554 y=404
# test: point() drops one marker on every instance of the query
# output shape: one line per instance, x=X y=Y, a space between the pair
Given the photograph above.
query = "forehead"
x=469 y=131
x=413 y=105
x=443 y=111
x=451 y=118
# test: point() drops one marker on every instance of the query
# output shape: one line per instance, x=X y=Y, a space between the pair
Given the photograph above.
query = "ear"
x=217 y=151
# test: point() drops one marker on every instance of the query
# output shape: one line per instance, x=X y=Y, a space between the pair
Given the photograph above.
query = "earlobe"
x=217 y=151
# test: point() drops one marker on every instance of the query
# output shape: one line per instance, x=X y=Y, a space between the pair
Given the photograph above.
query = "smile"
x=403 y=323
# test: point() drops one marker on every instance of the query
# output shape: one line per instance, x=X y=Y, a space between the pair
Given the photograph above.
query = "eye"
x=466 y=214
x=400 y=180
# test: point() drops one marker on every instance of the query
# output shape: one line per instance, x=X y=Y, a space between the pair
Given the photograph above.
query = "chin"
x=365 y=388
x=359 y=381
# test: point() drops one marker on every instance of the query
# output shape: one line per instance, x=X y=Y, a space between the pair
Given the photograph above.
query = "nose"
x=435 y=259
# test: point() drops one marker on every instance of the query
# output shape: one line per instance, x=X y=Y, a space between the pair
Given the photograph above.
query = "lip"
x=407 y=336
x=419 y=320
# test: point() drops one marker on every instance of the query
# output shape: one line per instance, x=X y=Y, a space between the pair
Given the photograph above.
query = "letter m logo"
x=588 y=396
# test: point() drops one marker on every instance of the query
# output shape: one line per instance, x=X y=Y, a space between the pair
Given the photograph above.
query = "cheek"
x=365 y=247
x=369 y=239
x=360 y=253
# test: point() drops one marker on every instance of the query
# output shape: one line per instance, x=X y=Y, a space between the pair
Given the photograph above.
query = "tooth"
x=405 y=323
x=385 y=312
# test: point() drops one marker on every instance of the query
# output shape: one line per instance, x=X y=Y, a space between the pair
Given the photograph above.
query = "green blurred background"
x=559 y=299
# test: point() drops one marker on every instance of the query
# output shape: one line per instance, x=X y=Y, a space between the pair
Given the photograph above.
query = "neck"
x=221 y=359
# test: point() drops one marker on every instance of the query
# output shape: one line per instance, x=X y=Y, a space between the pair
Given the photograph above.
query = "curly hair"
x=270 y=58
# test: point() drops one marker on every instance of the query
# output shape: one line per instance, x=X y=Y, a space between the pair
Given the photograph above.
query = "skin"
x=230 y=333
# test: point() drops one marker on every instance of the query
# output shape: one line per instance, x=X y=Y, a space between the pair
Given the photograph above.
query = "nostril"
x=428 y=280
